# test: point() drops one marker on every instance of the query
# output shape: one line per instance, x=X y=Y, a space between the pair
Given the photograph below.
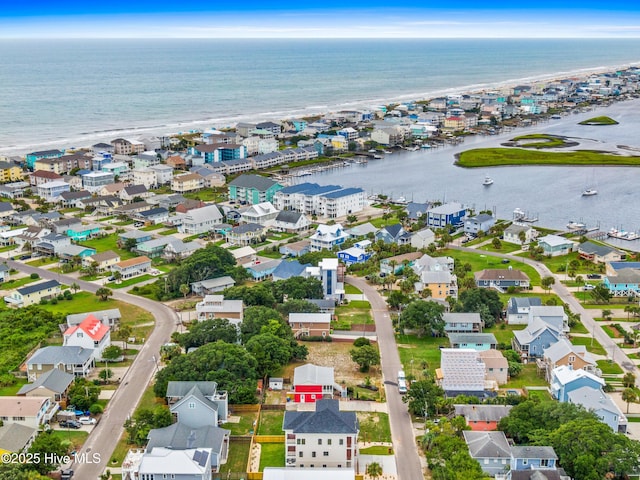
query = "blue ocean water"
x=65 y=93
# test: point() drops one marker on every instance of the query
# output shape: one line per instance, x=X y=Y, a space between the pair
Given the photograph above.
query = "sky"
x=320 y=19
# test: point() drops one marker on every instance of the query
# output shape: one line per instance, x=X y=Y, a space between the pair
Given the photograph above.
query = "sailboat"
x=487 y=181
x=590 y=190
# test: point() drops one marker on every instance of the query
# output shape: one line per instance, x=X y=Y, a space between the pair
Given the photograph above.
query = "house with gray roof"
x=474 y=341
x=178 y=250
x=479 y=223
x=393 y=234
x=75 y=360
x=253 y=189
x=4 y=272
x=160 y=462
x=501 y=279
x=289 y=268
x=482 y=417
x=555 y=245
x=291 y=221
x=212 y=285
x=179 y=436
x=598 y=402
x=518 y=309
x=530 y=457
x=533 y=340
x=262 y=270
x=322 y=437
x=108 y=317
x=53 y=384
x=462 y=322
x=32 y=294
x=211 y=403
x=200 y=220
x=16 y=437
x=417 y=210
x=597 y=253
x=563 y=352
x=517 y=232
x=490 y=449
x=246 y=234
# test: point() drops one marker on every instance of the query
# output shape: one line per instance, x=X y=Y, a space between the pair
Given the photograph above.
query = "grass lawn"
x=478 y=262
x=129 y=281
x=417 y=354
x=20 y=282
x=151 y=228
x=123 y=223
x=541 y=395
x=238 y=457
x=8 y=248
x=351 y=289
x=376 y=450
x=169 y=231
x=610 y=331
x=268 y=253
x=374 y=427
x=381 y=222
x=245 y=426
x=609 y=368
x=272 y=455
x=503 y=332
x=349 y=316
x=527 y=377
x=108 y=242
x=270 y=422
x=13 y=389
x=505 y=248
x=592 y=344
x=38 y=262
x=76 y=437
x=579 y=328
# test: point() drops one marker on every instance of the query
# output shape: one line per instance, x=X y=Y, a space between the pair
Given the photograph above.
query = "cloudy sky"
x=319 y=19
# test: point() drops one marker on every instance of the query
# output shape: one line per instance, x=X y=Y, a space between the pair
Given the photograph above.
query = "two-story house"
x=324 y=438
x=32 y=294
x=327 y=237
x=598 y=402
x=462 y=322
x=312 y=383
x=564 y=379
x=30 y=412
x=490 y=449
x=448 y=214
x=478 y=223
x=393 y=234
x=197 y=403
x=91 y=333
x=533 y=340
x=200 y=220
x=310 y=324
x=53 y=384
x=215 y=306
x=501 y=279
x=563 y=352
x=132 y=267
x=518 y=309
x=482 y=418
x=75 y=360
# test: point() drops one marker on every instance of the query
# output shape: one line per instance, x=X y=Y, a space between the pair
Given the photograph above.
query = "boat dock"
x=520 y=215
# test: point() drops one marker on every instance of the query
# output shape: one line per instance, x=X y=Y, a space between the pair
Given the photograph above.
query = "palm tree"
x=124 y=332
x=117 y=276
x=606 y=315
x=104 y=293
x=185 y=289
x=75 y=287
x=629 y=395
x=522 y=237
x=374 y=470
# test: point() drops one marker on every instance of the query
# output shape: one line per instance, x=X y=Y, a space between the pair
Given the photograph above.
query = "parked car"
x=69 y=424
x=87 y=421
x=589 y=286
x=66 y=474
x=505 y=260
x=594 y=276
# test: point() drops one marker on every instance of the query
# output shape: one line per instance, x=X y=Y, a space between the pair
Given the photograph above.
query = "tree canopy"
x=424 y=317
x=298 y=288
x=207 y=331
x=483 y=300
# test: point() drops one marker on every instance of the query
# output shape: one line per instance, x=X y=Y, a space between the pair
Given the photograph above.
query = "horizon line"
x=585 y=37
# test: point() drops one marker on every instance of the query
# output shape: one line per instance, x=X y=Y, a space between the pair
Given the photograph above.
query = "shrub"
x=95 y=409
x=60 y=296
x=316 y=338
x=360 y=341
x=33 y=276
x=54 y=301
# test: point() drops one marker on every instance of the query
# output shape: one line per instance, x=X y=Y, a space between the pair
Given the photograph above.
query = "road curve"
x=104 y=437
x=408 y=462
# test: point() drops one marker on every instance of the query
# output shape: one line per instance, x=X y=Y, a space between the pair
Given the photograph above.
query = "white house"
x=423 y=238
x=261 y=213
x=215 y=306
x=200 y=220
x=327 y=237
x=28 y=411
x=512 y=234
x=91 y=333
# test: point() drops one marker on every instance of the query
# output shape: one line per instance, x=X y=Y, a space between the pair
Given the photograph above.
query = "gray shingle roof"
x=487 y=444
x=326 y=419
x=288 y=216
x=247 y=227
x=180 y=437
x=483 y=413
x=530 y=451
x=14 y=437
x=253 y=181
x=181 y=388
x=55 y=380
x=66 y=355
x=38 y=287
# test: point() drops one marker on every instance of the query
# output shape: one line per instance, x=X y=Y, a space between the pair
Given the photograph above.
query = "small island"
x=540 y=140
x=497 y=157
x=598 y=121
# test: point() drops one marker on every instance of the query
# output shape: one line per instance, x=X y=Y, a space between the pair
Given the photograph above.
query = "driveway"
x=409 y=466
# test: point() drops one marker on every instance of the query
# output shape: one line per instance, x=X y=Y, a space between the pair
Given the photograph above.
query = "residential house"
x=598 y=402
x=417 y=210
x=423 y=238
x=490 y=449
x=30 y=412
x=13 y=190
x=362 y=231
x=475 y=341
x=389 y=135
x=441 y=284
x=531 y=457
x=564 y=380
x=324 y=438
x=189 y=204
x=482 y=418
x=253 y=189
x=331 y=275
x=131 y=209
x=448 y=214
x=289 y=268
x=176 y=162
x=155 y=247
x=563 y=352
x=16 y=438
x=75 y=360
x=501 y=279
x=461 y=372
x=263 y=213
x=212 y=285
x=72 y=253
x=137 y=235
x=291 y=222
x=496 y=366
x=625 y=283
x=9 y=172
x=6 y=211
x=80 y=233
x=284 y=473
x=153 y=216
x=310 y=324
x=295 y=249
x=104 y=260
x=462 y=322
x=393 y=234
x=51 y=191
x=4 y=273
x=554 y=245
x=519 y=234
x=178 y=250
x=518 y=309
x=215 y=306
x=552 y=315
x=355 y=254
x=479 y=223
x=50 y=244
x=53 y=384
x=94 y=181
x=164 y=174
x=91 y=333
x=130 y=193
x=327 y=237
x=600 y=253
x=132 y=267
x=111 y=189
x=109 y=317
x=187 y=182
x=397 y=263
x=426 y=263
x=73 y=199
x=179 y=394
x=127 y=146
x=40 y=177
x=260 y=270
x=200 y=220
x=312 y=382
x=159 y=463
x=246 y=234
x=533 y=340
x=33 y=294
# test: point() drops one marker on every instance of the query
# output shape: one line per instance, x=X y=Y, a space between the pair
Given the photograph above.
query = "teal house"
x=253 y=189
x=81 y=233
x=33 y=157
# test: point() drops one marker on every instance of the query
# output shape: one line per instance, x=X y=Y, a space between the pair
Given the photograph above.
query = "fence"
x=269 y=438
x=244 y=408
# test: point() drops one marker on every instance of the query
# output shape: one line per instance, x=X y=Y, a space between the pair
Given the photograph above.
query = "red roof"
x=91 y=326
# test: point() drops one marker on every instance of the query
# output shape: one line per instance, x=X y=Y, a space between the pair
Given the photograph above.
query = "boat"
x=623 y=235
x=576 y=225
x=487 y=181
x=589 y=192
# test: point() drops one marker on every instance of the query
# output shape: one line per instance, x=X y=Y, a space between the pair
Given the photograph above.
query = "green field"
x=272 y=455
x=609 y=368
x=592 y=344
x=352 y=290
x=416 y=353
x=108 y=242
x=602 y=120
x=540 y=140
x=238 y=457
x=245 y=426
x=271 y=422
x=496 y=157
x=541 y=395
x=374 y=427
x=480 y=262
x=527 y=377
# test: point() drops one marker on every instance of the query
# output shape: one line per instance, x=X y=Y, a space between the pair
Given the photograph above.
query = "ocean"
x=73 y=93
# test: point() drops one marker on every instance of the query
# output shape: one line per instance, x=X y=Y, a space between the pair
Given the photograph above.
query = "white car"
x=87 y=421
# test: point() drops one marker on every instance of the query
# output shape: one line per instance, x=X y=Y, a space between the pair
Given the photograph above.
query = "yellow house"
x=187 y=183
x=455 y=123
x=104 y=260
x=339 y=143
x=442 y=284
x=32 y=294
x=9 y=172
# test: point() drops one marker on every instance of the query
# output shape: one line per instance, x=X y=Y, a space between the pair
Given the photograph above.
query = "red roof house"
x=91 y=333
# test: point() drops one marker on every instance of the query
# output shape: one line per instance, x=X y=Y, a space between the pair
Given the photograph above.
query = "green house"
x=253 y=189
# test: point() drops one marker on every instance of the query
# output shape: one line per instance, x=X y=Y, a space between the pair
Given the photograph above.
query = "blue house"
x=299 y=124
x=81 y=233
x=598 y=402
x=475 y=341
x=533 y=340
x=564 y=380
x=33 y=157
x=533 y=458
x=448 y=214
x=262 y=271
x=393 y=234
x=625 y=283
x=288 y=269
x=354 y=255
x=219 y=152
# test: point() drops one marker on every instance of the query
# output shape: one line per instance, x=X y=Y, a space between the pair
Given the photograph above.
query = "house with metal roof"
x=565 y=379
x=554 y=245
x=246 y=234
x=212 y=285
x=80 y=233
x=109 y=317
x=75 y=360
x=312 y=382
x=597 y=253
x=291 y=221
x=54 y=384
x=324 y=437
x=551 y=314
x=598 y=402
x=138 y=235
x=474 y=341
x=91 y=333
x=490 y=449
x=33 y=294
x=253 y=189
x=518 y=309
x=461 y=372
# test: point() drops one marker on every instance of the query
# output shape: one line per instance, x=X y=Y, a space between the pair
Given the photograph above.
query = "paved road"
x=586 y=315
x=406 y=451
x=106 y=434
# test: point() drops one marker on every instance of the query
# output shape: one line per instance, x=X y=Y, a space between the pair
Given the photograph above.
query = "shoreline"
x=84 y=140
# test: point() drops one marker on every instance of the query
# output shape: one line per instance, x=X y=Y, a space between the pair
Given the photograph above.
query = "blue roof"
x=289 y=269
x=621 y=265
x=344 y=193
x=38 y=287
x=310 y=188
